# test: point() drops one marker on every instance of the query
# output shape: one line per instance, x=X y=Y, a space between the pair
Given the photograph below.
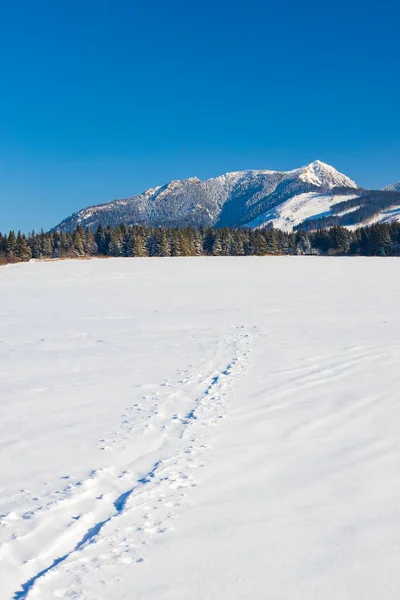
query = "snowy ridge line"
x=114 y=514
x=194 y=202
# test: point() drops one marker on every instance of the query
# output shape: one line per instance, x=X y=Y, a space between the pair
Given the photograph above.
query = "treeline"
x=381 y=239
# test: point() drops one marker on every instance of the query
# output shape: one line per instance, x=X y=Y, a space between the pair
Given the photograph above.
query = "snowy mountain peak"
x=323 y=175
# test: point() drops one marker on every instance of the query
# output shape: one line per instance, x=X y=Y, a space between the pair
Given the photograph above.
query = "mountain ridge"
x=249 y=198
x=393 y=187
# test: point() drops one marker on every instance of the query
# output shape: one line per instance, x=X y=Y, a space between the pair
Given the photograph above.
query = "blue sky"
x=103 y=99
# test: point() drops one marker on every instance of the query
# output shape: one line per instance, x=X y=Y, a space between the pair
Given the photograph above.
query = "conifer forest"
x=381 y=239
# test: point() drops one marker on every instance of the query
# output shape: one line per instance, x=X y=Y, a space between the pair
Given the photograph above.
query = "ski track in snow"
x=109 y=518
x=120 y=477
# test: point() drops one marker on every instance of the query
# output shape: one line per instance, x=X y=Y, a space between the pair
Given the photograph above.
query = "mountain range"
x=316 y=195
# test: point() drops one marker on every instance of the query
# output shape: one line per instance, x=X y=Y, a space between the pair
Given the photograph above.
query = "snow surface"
x=212 y=428
x=300 y=208
x=389 y=215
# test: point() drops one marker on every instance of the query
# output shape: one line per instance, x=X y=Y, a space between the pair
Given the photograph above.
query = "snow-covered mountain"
x=394 y=187
x=233 y=199
x=241 y=198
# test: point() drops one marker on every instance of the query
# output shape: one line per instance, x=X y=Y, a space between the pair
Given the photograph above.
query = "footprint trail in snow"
x=109 y=520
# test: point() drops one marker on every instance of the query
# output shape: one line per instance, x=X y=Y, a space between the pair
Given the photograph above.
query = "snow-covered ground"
x=213 y=428
x=297 y=209
x=390 y=215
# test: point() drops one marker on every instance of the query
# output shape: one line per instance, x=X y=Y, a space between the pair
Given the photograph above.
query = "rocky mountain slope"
x=239 y=199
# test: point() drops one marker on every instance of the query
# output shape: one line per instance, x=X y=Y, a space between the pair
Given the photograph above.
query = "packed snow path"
x=200 y=428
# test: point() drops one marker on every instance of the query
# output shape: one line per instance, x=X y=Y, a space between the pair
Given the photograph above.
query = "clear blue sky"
x=102 y=99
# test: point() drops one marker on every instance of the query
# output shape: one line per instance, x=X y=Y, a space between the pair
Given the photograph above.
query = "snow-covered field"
x=191 y=429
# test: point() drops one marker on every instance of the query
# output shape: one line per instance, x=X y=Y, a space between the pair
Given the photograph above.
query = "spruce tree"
x=139 y=247
x=116 y=243
x=226 y=242
x=339 y=239
x=90 y=246
x=260 y=244
x=197 y=243
x=272 y=241
x=46 y=244
x=11 y=244
x=186 y=243
x=79 y=241
x=176 y=247
x=217 y=247
x=22 y=250
x=100 y=239
x=237 y=244
x=164 y=247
